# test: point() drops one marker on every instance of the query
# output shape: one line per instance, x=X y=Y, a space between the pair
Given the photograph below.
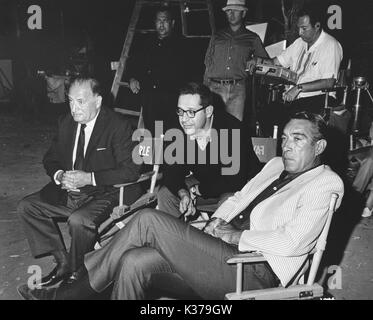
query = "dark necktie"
x=79 y=159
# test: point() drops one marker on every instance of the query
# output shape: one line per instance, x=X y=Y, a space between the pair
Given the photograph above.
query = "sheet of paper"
x=260 y=29
x=275 y=49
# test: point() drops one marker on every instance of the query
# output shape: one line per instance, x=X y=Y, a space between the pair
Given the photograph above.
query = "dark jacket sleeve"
x=122 y=146
x=53 y=160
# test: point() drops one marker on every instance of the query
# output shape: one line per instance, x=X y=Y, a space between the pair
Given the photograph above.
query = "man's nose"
x=287 y=145
x=72 y=106
x=184 y=117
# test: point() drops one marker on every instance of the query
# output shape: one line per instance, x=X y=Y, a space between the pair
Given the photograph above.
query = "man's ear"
x=173 y=24
x=209 y=111
x=320 y=146
x=244 y=14
x=98 y=101
x=317 y=25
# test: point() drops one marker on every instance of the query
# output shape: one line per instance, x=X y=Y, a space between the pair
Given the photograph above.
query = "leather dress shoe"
x=36 y=294
x=55 y=276
x=70 y=280
x=75 y=276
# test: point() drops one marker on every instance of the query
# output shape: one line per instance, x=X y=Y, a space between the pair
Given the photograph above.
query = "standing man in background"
x=158 y=70
x=226 y=58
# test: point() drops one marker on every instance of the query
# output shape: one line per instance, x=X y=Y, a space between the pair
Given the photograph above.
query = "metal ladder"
x=187 y=7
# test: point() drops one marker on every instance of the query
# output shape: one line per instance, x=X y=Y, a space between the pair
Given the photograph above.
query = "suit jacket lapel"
x=96 y=133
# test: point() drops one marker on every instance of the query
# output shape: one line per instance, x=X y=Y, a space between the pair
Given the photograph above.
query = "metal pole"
x=357 y=108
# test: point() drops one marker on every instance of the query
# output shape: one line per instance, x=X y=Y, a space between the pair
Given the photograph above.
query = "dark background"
x=69 y=25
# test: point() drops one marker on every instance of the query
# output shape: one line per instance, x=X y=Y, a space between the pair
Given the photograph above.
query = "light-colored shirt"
x=285 y=226
x=320 y=61
x=203 y=137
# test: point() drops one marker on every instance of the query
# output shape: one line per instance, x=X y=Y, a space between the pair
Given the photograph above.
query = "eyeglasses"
x=190 y=113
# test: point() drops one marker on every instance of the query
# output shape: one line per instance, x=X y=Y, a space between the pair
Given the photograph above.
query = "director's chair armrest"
x=247 y=257
x=145 y=176
x=239 y=260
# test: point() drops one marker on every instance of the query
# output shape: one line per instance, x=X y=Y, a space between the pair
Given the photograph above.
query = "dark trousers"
x=83 y=220
x=197 y=258
x=277 y=113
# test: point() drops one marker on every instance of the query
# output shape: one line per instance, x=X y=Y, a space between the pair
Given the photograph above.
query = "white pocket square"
x=100 y=149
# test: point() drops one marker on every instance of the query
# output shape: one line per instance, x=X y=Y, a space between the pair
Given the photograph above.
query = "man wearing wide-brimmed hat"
x=226 y=58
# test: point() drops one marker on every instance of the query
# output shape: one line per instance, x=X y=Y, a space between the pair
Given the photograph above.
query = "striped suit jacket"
x=285 y=226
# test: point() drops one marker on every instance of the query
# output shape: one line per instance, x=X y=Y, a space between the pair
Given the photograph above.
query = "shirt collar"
x=241 y=30
x=202 y=136
x=290 y=176
x=91 y=124
x=318 y=41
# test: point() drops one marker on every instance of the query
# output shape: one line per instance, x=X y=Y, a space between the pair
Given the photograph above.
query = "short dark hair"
x=203 y=91
x=94 y=84
x=319 y=124
x=314 y=13
x=164 y=9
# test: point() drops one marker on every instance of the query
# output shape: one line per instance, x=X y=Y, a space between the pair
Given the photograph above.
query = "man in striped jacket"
x=280 y=212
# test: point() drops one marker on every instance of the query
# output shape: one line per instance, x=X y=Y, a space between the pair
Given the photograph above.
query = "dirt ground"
x=22 y=145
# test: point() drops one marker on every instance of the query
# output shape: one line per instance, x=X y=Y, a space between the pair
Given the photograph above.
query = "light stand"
x=359 y=84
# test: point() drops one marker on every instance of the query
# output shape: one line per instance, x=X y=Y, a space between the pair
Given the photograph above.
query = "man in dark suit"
x=224 y=159
x=91 y=152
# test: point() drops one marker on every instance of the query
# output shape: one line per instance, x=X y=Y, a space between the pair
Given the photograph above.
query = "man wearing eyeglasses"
x=89 y=154
x=204 y=124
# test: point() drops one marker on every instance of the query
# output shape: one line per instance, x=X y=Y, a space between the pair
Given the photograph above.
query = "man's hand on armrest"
x=228 y=233
x=212 y=224
x=186 y=205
